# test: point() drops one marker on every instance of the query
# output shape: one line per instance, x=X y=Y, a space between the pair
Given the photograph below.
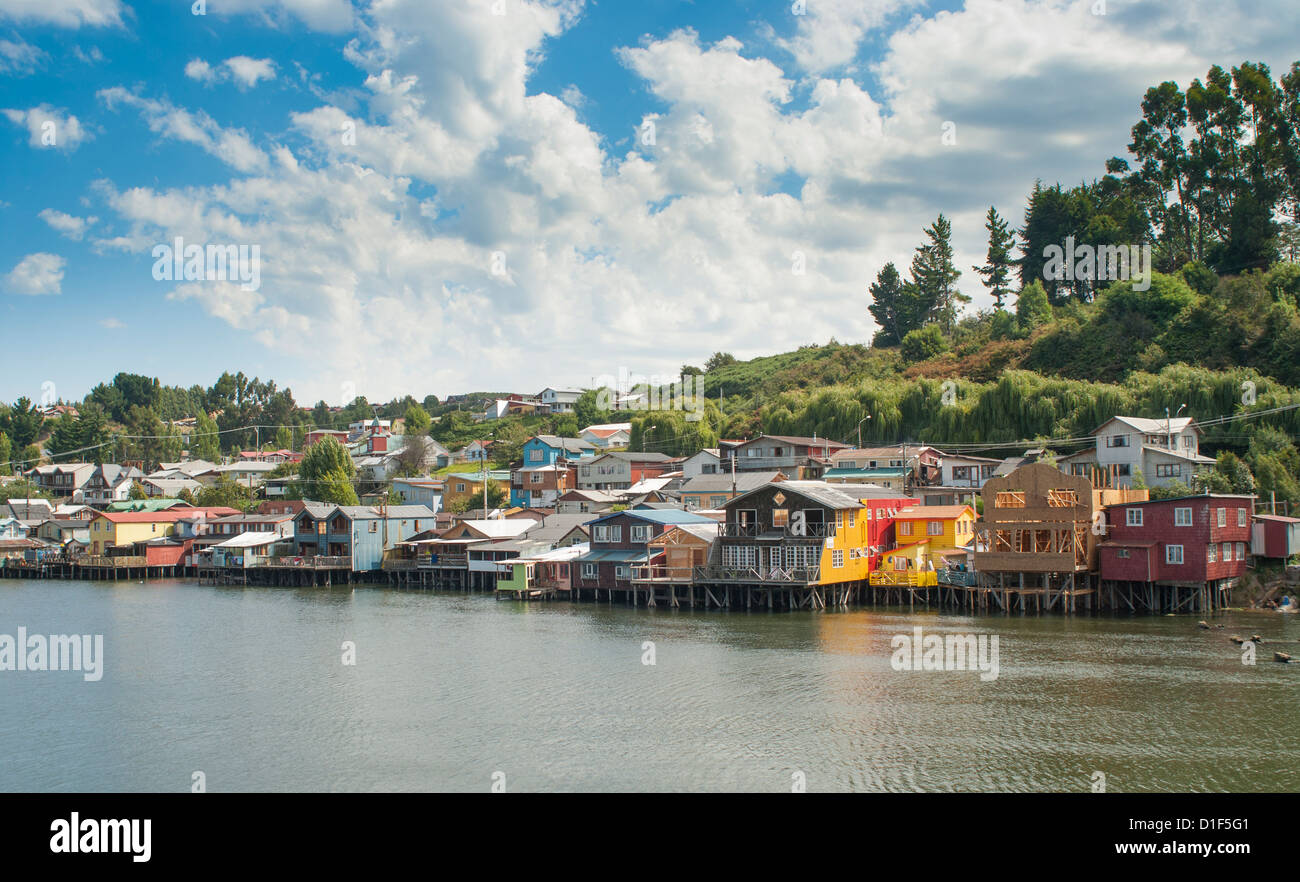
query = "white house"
x=706 y=462
x=559 y=400
x=608 y=435
x=1163 y=450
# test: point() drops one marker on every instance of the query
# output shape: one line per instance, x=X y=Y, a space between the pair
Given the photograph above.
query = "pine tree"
x=935 y=276
x=997 y=271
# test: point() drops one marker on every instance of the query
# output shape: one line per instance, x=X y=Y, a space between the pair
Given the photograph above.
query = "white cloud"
x=382 y=232
x=248 y=71
x=198 y=69
x=231 y=146
x=69 y=225
x=64 y=13
x=244 y=71
x=111 y=323
x=828 y=33
x=49 y=127
x=20 y=58
x=39 y=273
x=331 y=16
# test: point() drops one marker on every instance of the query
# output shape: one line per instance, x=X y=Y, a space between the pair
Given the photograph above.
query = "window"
x=1168 y=470
x=1241 y=551
x=848 y=464
x=1117 y=440
x=905 y=528
x=736 y=556
x=853 y=519
x=717 y=501
x=640 y=533
x=1122 y=553
x=1133 y=517
x=709 y=469
x=1213 y=553
x=1241 y=517
x=1223 y=517
x=780 y=517
x=837 y=558
x=934 y=528
x=374 y=526
x=1182 y=517
x=839 y=519
x=460 y=488
x=537 y=477
x=622 y=571
x=608 y=533
x=961 y=473
x=1174 y=554
x=590 y=570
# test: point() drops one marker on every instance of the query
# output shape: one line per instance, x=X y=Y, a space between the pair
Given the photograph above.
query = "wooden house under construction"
x=1037 y=536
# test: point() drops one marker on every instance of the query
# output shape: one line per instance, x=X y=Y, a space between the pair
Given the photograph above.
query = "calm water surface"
x=248 y=686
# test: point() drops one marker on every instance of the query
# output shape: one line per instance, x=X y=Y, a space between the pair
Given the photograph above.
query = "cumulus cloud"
x=49 y=127
x=232 y=146
x=39 y=273
x=64 y=13
x=450 y=211
x=20 y=57
x=69 y=225
x=245 y=72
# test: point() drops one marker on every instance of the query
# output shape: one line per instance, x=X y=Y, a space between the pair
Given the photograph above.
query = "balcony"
x=765 y=575
x=753 y=531
x=311 y=562
x=445 y=562
x=904 y=579
x=660 y=573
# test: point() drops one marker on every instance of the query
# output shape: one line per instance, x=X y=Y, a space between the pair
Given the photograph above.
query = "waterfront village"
x=769 y=522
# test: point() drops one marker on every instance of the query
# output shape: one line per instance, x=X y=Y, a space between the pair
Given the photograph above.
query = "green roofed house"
x=149 y=505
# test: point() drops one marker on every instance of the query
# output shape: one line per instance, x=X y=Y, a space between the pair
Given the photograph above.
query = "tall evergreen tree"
x=935 y=276
x=997 y=269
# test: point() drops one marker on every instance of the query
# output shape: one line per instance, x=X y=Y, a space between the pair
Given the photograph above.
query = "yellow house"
x=459 y=485
x=109 y=529
x=924 y=534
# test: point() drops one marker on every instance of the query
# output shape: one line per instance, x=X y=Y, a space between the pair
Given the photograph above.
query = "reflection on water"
x=248 y=686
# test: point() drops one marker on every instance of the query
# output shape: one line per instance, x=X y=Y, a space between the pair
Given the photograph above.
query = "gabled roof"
x=671 y=516
x=830 y=495
x=721 y=483
x=1173 y=426
x=569 y=445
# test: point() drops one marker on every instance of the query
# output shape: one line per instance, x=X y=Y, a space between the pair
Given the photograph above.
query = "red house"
x=1275 y=536
x=1188 y=542
x=881 y=505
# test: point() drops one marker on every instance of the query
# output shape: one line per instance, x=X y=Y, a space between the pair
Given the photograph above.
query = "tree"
x=284 y=438
x=935 y=276
x=325 y=474
x=996 y=270
x=923 y=343
x=415 y=456
x=205 y=443
x=587 y=409
x=417 y=420
x=137 y=491
x=892 y=319
x=1032 y=307
x=6 y=453
x=717 y=360
x=24 y=422
x=187 y=496
x=31 y=456
x=226 y=493
x=496 y=497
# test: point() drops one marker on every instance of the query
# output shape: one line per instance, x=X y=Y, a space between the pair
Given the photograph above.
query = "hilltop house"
x=62 y=480
x=1161 y=450
x=619 y=470
x=608 y=435
x=714 y=491
x=110 y=483
x=795 y=457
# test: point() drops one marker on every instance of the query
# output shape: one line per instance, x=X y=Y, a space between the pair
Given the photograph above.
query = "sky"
x=442 y=196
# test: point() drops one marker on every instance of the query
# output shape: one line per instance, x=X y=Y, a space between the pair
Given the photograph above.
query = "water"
x=247 y=685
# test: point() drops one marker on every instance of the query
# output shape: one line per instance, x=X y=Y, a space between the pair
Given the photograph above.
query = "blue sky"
x=498 y=217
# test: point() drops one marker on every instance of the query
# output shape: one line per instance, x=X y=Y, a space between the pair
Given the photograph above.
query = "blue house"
x=545 y=450
x=359 y=533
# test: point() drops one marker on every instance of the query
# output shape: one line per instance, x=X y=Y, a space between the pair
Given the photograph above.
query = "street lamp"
x=860 y=422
